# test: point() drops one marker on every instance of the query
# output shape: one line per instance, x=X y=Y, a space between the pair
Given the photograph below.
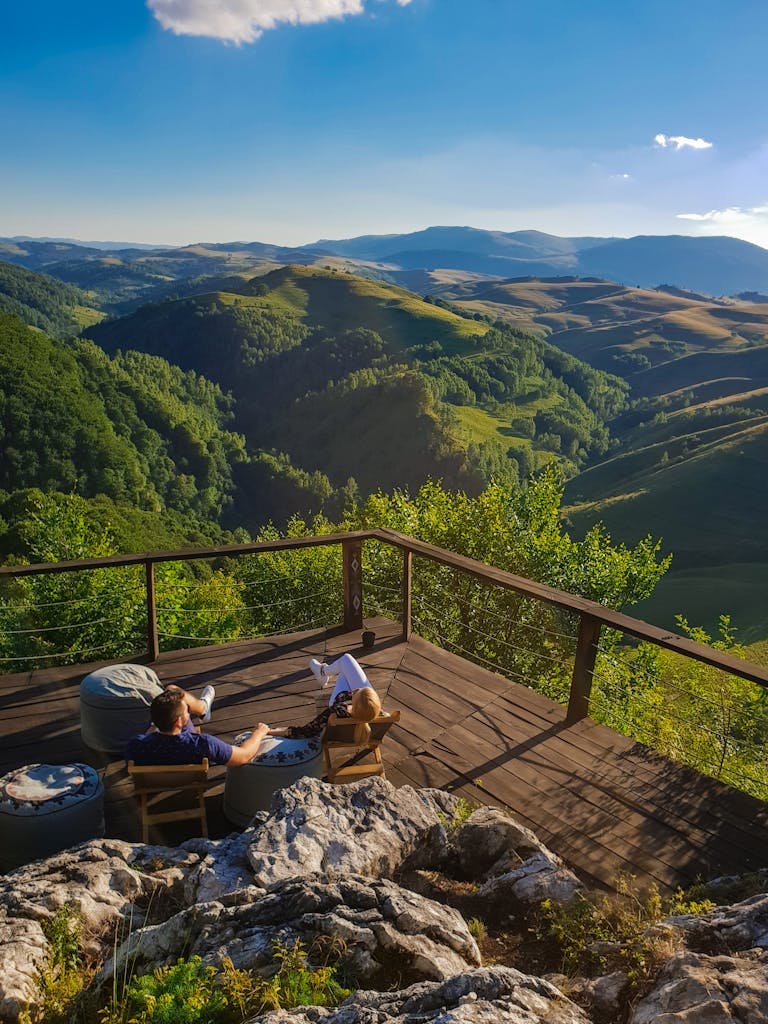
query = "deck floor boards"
x=605 y=803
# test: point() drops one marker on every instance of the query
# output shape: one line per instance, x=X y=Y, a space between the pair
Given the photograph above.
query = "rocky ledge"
x=348 y=864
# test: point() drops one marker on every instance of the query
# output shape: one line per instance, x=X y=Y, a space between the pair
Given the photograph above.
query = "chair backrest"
x=168 y=777
x=342 y=731
x=155 y=783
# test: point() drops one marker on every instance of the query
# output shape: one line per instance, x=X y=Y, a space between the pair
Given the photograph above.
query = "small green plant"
x=62 y=977
x=298 y=984
x=184 y=993
x=477 y=929
x=190 y=992
x=463 y=810
x=609 y=933
x=689 y=901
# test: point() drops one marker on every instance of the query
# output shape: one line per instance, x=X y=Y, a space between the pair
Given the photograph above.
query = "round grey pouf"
x=114 y=705
x=45 y=808
x=279 y=763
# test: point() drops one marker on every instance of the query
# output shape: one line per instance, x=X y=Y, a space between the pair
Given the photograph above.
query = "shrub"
x=189 y=992
x=62 y=977
x=610 y=932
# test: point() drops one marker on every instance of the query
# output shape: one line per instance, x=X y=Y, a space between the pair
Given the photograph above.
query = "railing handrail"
x=184 y=555
x=581 y=605
x=588 y=610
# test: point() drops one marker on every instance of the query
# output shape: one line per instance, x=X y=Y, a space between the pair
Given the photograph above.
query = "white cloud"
x=243 y=21
x=730 y=215
x=680 y=142
x=749 y=223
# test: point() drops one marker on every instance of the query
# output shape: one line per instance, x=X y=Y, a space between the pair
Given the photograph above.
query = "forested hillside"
x=58 y=309
x=686 y=453
x=353 y=377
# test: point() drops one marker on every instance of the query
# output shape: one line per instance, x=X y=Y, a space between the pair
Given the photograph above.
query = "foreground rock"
x=701 y=989
x=368 y=828
x=102 y=880
x=726 y=929
x=518 y=867
x=487 y=996
x=370 y=923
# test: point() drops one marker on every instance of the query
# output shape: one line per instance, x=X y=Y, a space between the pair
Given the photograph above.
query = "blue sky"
x=289 y=120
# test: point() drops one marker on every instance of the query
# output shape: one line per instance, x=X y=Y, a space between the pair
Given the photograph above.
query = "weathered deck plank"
x=605 y=803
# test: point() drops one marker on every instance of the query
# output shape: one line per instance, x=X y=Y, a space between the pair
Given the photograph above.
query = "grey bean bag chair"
x=45 y=808
x=279 y=763
x=114 y=705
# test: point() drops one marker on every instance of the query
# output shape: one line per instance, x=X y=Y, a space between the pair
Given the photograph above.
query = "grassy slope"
x=341 y=301
x=709 y=500
x=709 y=508
x=599 y=321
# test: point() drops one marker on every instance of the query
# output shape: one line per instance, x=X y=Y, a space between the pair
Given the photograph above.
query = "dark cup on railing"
x=369 y=639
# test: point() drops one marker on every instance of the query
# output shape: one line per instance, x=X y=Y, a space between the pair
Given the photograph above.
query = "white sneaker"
x=320 y=672
x=207 y=697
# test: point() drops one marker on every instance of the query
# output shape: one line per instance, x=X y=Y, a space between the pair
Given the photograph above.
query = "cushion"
x=45 y=808
x=114 y=705
x=279 y=763
x=279 y=750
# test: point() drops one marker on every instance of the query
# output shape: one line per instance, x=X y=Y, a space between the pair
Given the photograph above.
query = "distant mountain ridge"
x=715 y=265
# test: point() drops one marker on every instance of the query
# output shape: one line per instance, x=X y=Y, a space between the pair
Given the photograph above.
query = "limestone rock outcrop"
x=368 y=828
x=491 y=995
x=371 y=922
x=517 y=867
x=702 y=989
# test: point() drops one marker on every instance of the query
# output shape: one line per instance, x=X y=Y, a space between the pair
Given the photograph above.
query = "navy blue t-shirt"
x=189 y=747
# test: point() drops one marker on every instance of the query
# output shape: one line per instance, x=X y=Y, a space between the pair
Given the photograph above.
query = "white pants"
x=350 y=676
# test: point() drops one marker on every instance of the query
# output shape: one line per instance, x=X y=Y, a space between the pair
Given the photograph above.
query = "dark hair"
x=166 y=708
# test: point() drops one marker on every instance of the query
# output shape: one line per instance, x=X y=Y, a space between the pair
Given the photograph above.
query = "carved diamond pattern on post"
x=356 y=602
x=355 y=566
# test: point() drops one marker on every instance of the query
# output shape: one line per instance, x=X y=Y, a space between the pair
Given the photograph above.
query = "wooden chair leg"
x=144 y=819
x=203 y=816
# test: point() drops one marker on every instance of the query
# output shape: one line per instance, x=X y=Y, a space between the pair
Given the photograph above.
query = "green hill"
x=307 y=352
x=660 y=340
x=685 y=457
x=132 y=427
x=40 y=301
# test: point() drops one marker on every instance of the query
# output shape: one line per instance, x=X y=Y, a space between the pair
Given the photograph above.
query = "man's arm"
x=244 y=753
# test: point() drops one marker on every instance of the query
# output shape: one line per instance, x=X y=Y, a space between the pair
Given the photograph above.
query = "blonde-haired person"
x=352 y=697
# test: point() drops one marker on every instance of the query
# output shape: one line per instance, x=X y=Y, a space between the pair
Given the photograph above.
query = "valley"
x=653 y=401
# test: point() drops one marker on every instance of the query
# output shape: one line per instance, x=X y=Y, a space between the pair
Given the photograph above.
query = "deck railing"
x=592 y=617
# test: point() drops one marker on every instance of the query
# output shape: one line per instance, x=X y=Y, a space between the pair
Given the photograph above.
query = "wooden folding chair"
x=155 y=783
x=344 y=733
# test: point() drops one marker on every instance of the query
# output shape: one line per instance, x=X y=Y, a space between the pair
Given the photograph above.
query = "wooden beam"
x=407 y=595
x=581 y=605
x=583 y=668
x=352 y=559
x=153 y=646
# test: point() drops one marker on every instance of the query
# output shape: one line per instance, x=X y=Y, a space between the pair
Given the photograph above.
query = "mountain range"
x=713 y=265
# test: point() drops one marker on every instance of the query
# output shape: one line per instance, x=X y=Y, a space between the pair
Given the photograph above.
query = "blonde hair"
x=365 y=707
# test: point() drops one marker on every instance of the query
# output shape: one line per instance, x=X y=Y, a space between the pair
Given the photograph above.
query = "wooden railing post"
x=583 y=668
x=407 y=577
x=153 y=647
x=352 y=560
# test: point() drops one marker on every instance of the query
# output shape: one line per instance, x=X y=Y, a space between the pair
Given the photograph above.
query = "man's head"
x=166 y=710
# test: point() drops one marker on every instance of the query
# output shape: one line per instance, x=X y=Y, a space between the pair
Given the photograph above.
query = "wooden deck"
x=604 y=803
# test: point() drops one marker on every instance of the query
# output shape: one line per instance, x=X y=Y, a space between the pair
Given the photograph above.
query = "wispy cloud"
x=680 y=142
x=243 y=21
x=747 y=222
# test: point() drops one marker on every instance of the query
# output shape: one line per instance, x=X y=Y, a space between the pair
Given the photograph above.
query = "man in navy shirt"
x=173 y=739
